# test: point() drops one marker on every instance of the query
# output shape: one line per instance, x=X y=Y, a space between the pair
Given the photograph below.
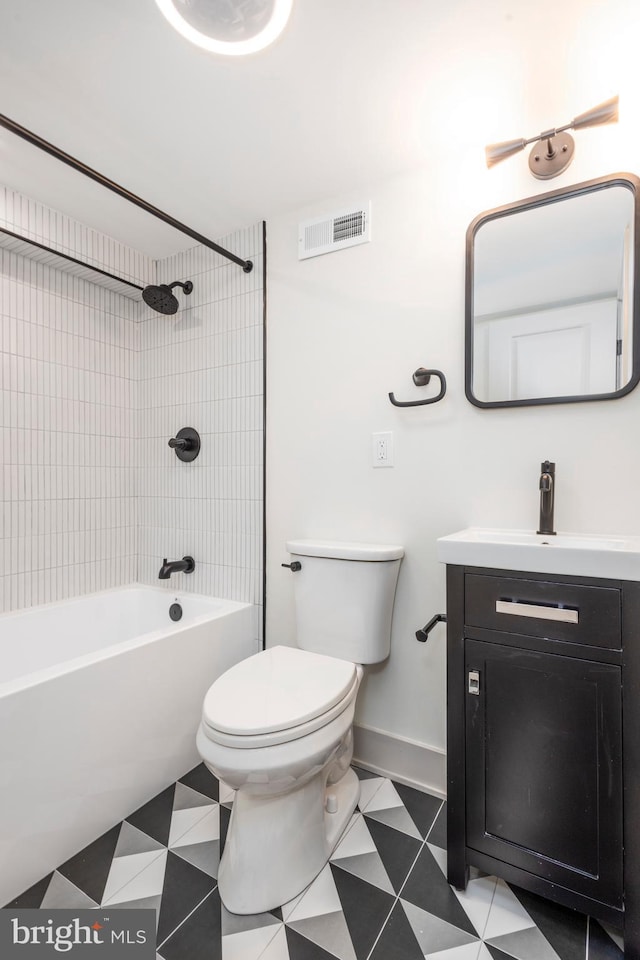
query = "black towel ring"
x=421 y=378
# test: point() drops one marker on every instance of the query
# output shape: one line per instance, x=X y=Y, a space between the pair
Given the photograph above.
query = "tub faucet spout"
x=547 y=495
x=186 y=565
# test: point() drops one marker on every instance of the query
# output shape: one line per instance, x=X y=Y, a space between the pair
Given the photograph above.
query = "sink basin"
x=586 y=555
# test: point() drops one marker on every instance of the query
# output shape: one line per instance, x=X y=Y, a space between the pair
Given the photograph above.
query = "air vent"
x=335 y=231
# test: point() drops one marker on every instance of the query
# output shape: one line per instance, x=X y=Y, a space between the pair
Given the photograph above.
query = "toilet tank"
x=343 y=594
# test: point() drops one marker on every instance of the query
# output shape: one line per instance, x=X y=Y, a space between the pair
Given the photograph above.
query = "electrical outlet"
x=382 y=449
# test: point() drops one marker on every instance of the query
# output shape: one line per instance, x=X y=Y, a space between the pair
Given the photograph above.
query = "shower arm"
x=54 y=151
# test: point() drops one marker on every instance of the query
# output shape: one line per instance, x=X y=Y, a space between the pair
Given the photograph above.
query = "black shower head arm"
x=187 y=286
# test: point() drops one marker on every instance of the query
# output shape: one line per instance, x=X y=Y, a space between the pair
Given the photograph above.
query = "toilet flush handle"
x=294 y=567
x=423 y=635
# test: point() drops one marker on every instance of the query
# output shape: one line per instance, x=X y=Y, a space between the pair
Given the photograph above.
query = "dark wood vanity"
x=543 y=737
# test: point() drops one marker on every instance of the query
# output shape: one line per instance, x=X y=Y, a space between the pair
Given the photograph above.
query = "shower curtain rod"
x=54 y=151
x=16 y=243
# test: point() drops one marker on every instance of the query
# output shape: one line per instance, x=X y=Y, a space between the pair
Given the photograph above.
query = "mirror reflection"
x=551 y=295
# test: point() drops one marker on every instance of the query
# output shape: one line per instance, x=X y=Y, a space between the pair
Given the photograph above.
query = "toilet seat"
x=277 y=695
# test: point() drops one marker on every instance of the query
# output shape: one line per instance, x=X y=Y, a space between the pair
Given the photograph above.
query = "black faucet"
x=186 y=565
x=547 y=493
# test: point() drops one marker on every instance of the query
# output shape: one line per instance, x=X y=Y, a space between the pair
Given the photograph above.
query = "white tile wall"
x=52 y=228
x=92 y=496
x=68 y=395
x=203 y=368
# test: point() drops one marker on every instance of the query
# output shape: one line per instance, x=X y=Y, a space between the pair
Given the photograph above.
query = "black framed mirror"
x=552 y=297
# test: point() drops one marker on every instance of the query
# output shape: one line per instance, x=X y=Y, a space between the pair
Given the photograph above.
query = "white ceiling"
x=217 y=142
x=353 y=91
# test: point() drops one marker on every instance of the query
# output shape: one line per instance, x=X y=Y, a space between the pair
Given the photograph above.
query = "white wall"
x=347 y=328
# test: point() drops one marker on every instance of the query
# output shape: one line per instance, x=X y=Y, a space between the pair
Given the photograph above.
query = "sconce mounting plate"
x=549 y=158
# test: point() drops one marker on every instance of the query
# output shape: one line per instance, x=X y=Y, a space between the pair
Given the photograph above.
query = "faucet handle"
x=186 y=444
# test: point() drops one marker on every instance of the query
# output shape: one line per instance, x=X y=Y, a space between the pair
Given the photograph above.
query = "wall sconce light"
x=546 y=162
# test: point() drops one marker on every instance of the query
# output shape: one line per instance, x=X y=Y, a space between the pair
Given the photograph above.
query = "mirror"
x=552 y=297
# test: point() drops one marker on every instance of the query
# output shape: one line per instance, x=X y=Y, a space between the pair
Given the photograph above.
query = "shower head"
x=160 y=298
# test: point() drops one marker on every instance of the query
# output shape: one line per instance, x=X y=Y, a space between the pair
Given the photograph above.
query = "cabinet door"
x=544 y=766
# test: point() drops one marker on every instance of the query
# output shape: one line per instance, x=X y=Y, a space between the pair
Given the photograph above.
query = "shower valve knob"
x=186 y=444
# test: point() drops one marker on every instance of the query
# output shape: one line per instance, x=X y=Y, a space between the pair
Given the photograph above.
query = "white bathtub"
x=100 y=701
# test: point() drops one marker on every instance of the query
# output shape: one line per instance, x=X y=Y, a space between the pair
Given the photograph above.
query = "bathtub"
x=100 y=701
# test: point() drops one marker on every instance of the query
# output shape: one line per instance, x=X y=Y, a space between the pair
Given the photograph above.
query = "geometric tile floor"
x=383 y=896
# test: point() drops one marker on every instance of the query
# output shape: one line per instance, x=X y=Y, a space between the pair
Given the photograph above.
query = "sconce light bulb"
x=496 y=152
x=606 y=112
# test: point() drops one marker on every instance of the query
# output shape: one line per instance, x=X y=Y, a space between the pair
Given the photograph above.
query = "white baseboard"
x=416 y=764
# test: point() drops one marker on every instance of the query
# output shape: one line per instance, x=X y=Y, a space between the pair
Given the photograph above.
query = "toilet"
x=277 y=727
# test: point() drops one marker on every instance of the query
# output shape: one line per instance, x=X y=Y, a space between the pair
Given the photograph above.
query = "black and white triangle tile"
x=382 y=896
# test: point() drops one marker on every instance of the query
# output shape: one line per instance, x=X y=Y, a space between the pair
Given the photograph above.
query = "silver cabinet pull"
x=535 y=610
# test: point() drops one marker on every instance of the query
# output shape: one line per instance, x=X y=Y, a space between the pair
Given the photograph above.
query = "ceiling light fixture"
x=549 y=162
x=230 y=27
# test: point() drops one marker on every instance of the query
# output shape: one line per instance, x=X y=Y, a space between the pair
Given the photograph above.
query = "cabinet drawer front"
x=544 y=608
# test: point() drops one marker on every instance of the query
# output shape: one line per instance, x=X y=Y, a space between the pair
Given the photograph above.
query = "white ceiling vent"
x=335 y=231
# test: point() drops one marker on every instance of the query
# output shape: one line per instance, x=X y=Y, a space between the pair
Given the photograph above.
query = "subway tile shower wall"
x=68 y=350
x=203 y=368
x=50 y=227
x=93 y=386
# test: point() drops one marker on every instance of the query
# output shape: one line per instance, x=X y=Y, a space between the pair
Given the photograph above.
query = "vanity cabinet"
x=544 y=737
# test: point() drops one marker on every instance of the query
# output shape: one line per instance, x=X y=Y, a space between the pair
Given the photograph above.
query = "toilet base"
x=276 y=845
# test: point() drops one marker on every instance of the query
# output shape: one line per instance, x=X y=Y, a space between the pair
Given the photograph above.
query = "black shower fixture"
x=186 y=444
x=161 y=299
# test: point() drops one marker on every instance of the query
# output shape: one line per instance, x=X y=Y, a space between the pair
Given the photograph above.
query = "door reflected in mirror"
x=551 y=297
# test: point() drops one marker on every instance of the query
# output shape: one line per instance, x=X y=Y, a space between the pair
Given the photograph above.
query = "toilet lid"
x=276 y=689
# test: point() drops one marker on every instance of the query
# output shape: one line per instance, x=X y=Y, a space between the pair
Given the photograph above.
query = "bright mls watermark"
x=78 y=934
